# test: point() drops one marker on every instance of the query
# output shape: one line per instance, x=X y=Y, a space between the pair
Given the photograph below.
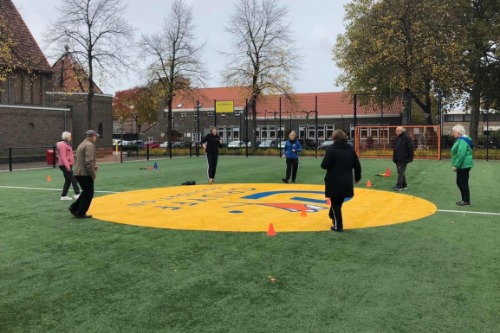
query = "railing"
x=25 y=155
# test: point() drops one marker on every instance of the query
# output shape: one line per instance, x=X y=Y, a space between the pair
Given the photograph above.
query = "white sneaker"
x=66 y=198
x=76 y=196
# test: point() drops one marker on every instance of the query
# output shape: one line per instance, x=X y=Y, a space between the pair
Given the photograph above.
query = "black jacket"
x=403 y=149
x=213 y=143
x=339 y=161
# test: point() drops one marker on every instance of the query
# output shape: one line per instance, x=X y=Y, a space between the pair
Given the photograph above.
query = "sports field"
x=139 y=270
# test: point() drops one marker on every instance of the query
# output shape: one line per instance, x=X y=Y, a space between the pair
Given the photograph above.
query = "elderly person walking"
x=462 y=161
x=85 y=173
x=402 y=155
x=66 y=160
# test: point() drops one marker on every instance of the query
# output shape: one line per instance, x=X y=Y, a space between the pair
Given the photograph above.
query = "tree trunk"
x=475 y=111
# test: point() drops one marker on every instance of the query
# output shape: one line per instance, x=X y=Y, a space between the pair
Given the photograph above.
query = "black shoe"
x=72 y=211
x=293 y=181
x=284 y=180
x=463 y=203
x=83 y=216
x=397 y=188
x=333 y=228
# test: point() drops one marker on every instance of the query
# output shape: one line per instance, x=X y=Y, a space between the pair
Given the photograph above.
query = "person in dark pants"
x=339 y=162
x=85 y=173
x=66 y=160
x=291 y=150
x=462 y=161
x=402 y=155
x=211 y=144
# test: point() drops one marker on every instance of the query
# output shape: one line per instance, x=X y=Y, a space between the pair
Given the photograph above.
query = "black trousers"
x=463 y=183
x=401 y=167
x=82 y=204
x=292 y=164
x=69 y=179
x=212 y=164
x=336 y=212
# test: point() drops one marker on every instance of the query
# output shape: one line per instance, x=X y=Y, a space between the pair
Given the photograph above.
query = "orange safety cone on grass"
x=270 y=231
x=387 y=172
x=368 y=183
x=49 y=179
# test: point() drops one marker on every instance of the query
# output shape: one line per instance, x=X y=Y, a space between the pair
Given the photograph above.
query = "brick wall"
x=24 y=126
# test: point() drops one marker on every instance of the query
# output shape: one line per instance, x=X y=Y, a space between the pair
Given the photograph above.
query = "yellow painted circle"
x=253 y=207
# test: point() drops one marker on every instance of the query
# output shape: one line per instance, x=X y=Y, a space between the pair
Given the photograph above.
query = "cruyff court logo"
x=252 y=207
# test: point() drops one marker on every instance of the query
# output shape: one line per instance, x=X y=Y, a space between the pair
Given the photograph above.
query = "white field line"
x=45 y=189
x=467 y=212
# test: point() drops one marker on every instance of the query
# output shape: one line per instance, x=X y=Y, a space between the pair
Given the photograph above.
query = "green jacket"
x=461 y=153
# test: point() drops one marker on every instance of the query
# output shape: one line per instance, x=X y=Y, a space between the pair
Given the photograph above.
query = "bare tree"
x=174 y=58
x=263 y=55
x=97 y=35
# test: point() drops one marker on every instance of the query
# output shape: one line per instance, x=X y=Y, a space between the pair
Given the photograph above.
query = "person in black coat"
x=211 y=143
x=339 y=162
x=402 y=155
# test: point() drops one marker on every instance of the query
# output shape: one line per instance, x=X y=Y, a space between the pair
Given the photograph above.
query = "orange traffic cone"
x=270 y=231
x=387 y=172
x=328 y=202
x=368 y=183
x=49 y=179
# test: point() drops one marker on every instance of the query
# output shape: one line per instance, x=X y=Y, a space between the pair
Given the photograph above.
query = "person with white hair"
x=402 y=155
x=462 y=161
x=66 y=160
x=291 y=152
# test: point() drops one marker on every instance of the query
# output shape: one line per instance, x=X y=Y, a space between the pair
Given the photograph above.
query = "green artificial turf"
x=60 y=274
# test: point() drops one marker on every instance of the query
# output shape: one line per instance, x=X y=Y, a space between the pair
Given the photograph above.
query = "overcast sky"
x=315 y=25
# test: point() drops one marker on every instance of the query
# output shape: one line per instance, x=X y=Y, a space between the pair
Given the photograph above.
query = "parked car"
x=181 y=144
x=151 y=144
x=307 y=143
x=138 y=143
x=268 y=144
x=164 y=144
x=236 y=144
x=325 y=144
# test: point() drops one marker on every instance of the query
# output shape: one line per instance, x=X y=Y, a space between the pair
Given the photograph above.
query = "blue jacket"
x=292 y=148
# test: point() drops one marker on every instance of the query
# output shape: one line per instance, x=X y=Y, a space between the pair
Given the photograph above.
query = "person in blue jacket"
x=291 y=150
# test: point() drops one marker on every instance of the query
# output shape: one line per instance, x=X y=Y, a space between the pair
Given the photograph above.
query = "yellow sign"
x=224 y=106
x=252 y=207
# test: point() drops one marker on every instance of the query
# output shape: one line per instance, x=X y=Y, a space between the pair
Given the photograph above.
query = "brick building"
x=38 y=101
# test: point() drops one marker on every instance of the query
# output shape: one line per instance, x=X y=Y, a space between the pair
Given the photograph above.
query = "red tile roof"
x=69 y=76
x=25 y=52
x=329 y=103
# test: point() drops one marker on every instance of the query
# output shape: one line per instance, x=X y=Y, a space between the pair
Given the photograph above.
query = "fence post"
x=10 y=159
x=54 y=156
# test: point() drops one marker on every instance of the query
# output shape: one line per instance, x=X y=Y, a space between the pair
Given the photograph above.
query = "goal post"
x=378 y=141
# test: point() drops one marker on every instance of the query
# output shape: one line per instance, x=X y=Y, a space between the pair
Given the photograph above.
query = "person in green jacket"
x=461 y=159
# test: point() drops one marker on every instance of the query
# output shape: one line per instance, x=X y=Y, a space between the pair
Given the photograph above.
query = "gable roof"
x=69 y=75
x=328 y=103
x=23 y=50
